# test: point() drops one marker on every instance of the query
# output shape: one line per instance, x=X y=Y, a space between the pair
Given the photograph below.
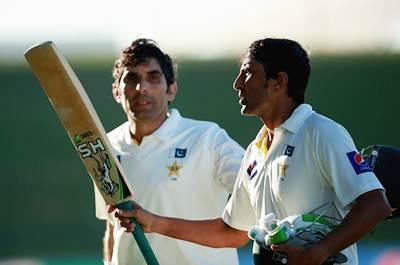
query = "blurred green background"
x=47 y=197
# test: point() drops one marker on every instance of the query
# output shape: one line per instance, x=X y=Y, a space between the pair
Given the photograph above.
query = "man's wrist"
x=320 y=252
x=156 y=224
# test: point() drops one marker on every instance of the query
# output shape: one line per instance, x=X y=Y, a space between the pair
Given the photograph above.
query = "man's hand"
x=143 y=217
x=301 y=256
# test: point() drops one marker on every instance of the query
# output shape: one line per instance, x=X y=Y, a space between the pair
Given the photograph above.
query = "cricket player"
x=298 y=161
x=178 y=167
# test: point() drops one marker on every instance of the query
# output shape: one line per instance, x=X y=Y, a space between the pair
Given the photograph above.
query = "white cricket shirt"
x=185 y=169
x=312 y=161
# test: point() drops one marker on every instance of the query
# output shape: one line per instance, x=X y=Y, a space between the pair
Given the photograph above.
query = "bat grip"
x=140 y=238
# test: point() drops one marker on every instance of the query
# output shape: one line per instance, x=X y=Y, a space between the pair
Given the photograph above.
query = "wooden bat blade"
x=85 y=130
x=80 y=120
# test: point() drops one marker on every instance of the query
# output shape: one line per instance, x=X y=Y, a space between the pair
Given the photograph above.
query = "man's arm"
x=108 y=242
x=212 y=233
x=369 y=210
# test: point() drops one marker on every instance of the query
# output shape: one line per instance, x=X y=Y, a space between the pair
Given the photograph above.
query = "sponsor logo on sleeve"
x=358 y=162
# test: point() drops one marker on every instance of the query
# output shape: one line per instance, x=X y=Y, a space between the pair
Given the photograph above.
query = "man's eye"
x=155 y=77
x=130 y=79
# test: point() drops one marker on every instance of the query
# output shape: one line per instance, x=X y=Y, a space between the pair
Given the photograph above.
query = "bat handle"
x=140 y=238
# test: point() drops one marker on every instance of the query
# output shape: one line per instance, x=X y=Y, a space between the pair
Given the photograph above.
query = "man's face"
x=143 y=91
x=254 y=89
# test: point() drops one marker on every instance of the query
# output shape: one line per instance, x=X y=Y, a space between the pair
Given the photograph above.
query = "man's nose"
x=238 y=83
x=141 y=86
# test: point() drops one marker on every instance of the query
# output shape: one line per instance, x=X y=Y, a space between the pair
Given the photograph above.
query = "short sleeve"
x=239 y=212
x=341 y=164
x=228 y=155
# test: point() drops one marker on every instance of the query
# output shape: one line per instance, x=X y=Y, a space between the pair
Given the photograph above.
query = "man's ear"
x=116 y=93
x=171 y=92
x=282 y=80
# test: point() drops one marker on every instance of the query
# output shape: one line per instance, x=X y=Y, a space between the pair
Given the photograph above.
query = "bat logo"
x=86 y=149
x=95 y=150
x=79 y=137
x=102 y=175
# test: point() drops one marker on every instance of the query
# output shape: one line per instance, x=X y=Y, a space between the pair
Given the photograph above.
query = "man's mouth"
x=142 y=102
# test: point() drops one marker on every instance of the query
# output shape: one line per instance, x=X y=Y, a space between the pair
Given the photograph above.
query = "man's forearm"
x=213 y=233
x=369 y=210
x=108 y=242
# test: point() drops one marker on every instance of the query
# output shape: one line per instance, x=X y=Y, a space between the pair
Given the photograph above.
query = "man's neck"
x=139 y=129
x=277 y=116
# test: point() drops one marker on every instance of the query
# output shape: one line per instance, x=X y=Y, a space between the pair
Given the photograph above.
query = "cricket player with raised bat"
x=181 y=167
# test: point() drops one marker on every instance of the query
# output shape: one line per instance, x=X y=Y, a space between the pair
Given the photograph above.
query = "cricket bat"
x=85 y=130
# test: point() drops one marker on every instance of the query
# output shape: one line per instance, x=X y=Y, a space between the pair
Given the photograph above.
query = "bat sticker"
x=102 y=174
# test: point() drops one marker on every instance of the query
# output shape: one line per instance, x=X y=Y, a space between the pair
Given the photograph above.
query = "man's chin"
x=139 y=115
x=246 y=112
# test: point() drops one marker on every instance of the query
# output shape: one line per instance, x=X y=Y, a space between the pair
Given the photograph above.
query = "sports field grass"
x=48 y=207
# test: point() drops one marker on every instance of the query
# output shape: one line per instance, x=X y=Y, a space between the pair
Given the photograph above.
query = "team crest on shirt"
x=289 y=150
x=282 y=163
x=282 y=167
x=174 y=170
x=358 y=162
x=177 y=153
x=251 y=170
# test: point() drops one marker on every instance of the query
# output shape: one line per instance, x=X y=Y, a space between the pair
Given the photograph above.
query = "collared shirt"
x=312 y=161
x=185 y=169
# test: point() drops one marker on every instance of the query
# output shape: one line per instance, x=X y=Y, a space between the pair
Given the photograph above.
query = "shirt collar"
x=261 y=140
x=292 y=124
x=298 y=117
x=165 y=132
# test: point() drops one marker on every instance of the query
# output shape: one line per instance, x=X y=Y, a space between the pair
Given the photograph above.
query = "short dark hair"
x=139 y=51
x=283 y=55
